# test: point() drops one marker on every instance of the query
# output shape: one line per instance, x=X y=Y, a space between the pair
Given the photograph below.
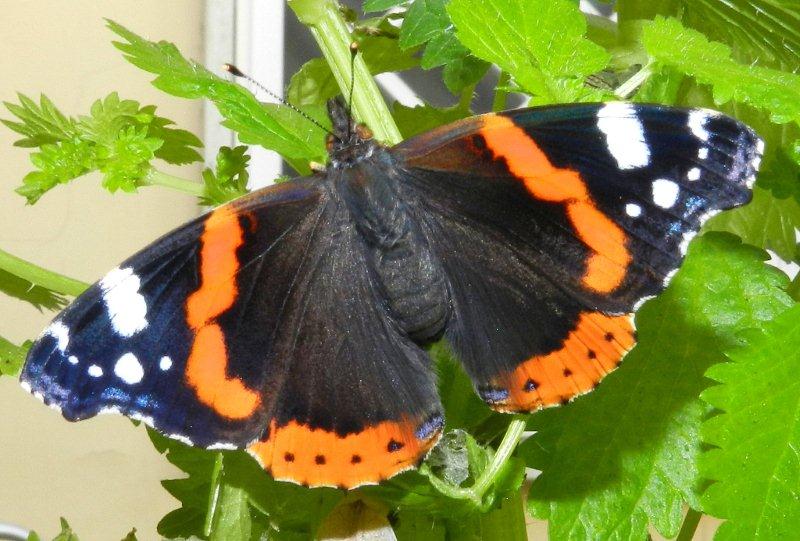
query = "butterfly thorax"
x=409 y=275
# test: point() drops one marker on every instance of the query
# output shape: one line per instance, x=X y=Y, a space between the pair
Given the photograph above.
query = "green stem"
x=154 y=177
x=476 y=492
x=213 y=499
x=631 y=85
x=333 y=37
x=504 y=451
x=41 y=277
x=500 y=102
x=689 y=527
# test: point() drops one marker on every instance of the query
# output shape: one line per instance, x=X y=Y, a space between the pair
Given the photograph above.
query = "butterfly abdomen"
x=403 y=264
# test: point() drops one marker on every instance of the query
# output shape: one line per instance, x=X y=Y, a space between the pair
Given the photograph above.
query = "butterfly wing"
x=147 y=340
x=554 y=224
x=358 y=403
x=254 y=326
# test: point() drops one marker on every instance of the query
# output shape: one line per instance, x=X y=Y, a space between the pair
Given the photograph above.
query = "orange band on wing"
x=593 y=349
x=314 y=457
x=207 y=365
x=606 y=268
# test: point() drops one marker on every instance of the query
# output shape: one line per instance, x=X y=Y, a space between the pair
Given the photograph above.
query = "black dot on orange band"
x=288 y=457
x=319 y=459
x=355 y=459
x=564 y=401
x=609 y=336
x=567 y=372
x=530 y=385
x=591 y=354
x=394 y=445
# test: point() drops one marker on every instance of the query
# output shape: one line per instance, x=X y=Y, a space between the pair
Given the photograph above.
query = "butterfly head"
x=348 y=143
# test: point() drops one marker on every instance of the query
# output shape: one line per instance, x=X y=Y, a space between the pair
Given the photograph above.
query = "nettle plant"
x=701 y=418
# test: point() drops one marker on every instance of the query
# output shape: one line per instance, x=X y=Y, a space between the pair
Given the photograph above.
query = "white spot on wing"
x=95 y=371
x=25 y=385
x=222 y=445
x=72 y=359
x=624 y=135
x=181 y=438
x=665 y=193
x=127 y=308
x=633 y=210
x=129 y=369
x=702 y=153
x=165 y=363
x=760 y=146
x=697 y=123
x=60 y=332
x=693 y=174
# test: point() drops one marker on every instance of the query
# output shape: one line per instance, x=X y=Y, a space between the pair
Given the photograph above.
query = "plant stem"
x=333 y=37
x=689 y=526
x=631 y=85
x=476 y=492
x=40 y=276
x=216 y=482
x=154 y=177
x=500 y=102
x=504 y=450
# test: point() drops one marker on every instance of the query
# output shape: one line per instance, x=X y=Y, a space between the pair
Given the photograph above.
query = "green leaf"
x=416 y=526
x=314 y=83
x=461 y=73
x=380 y=5
x=41 y=124
x=503 y=523
x=767 y=31
x=66 y=533
x=757 y=435
x=421 y=118
x=766 y=222
x=625 y=456
x=126 y=161
x=12 y=357
x=131 y=535
x=118 y=137
x=540 y=43
x=57 y=164
x=428 y=23
x=243 y=113
x=456 y=457
x=24 y=290
x=794 y=288
x=236 y=497
x=709 y=62
x=112 y=116
x=763 y=30
x=229 y=180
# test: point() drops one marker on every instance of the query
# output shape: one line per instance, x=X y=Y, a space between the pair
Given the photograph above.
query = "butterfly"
x=293 y=322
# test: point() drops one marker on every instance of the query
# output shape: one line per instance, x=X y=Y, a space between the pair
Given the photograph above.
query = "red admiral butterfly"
x=293 y=321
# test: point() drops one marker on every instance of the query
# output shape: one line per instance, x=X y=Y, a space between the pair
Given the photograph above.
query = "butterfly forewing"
x=554 y=224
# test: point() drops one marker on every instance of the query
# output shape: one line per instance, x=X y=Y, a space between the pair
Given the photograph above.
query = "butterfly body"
x=293 y=322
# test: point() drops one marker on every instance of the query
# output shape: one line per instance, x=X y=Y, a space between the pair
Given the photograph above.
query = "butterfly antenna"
x=236 y=72
x=353 y=53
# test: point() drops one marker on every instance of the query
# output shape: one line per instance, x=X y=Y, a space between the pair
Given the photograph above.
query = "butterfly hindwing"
x=358 y=401
x=553 y=224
